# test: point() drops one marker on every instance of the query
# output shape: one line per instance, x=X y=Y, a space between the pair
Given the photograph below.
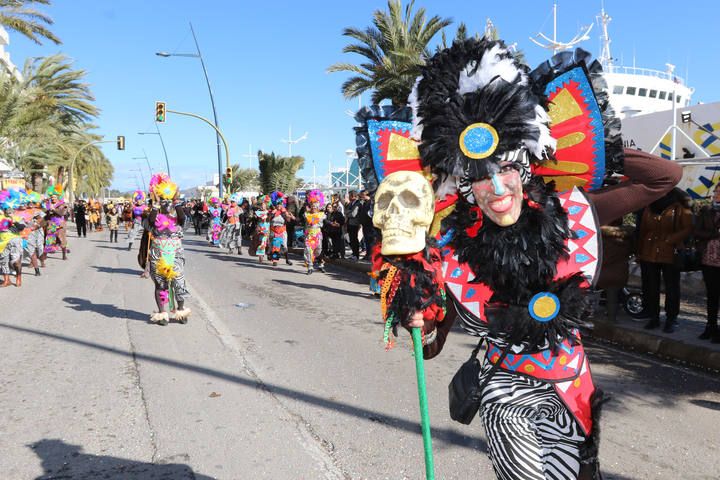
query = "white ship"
x=656 y=113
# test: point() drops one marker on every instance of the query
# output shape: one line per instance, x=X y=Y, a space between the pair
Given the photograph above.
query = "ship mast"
x=553 y=43
x=606 y=59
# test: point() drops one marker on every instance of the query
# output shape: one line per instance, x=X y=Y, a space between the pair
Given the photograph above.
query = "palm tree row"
x=46 y=115
x=45 y=118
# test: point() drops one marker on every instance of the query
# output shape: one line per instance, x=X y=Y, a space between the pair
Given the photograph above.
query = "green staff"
x=422 y=395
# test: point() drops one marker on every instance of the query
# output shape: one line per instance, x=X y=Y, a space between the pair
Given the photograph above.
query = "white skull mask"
x=404 y=207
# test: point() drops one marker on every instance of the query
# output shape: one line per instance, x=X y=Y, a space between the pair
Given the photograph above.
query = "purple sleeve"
x=649 y=178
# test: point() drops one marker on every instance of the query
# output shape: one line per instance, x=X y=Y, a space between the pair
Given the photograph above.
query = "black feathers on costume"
x=418 y=288
x=362 y=139
x=518 y=261
x=509 y=105
x=589 y=461
x=565 y=61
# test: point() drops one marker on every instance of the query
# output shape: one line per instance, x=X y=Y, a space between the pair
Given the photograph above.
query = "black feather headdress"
x=474 y=108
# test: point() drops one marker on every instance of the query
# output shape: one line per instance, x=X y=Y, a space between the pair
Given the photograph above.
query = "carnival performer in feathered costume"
x=31 y=215
x=11 y=242
x=314 y=217
x=279 y=217
x=56 y=211
x=262 y=228
x=162 y=249
x=139 y=211
x=231 y=235
x=215 y=213
x=514 y=241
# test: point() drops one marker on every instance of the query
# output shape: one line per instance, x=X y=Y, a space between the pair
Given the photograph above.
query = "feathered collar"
x=519 y=262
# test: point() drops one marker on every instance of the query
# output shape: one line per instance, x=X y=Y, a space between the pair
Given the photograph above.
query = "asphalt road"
x=278 y=375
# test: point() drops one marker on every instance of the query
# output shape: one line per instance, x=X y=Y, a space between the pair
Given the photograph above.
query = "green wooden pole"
x=422 y=394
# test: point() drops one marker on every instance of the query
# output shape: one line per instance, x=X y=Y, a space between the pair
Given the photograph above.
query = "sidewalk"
x=683 y=345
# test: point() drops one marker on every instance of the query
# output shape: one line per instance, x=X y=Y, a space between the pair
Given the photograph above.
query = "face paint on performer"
x=314 y=207
x=500 y=196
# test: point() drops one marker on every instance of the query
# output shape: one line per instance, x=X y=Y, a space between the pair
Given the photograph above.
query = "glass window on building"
x=631 y=90
x=670 y=95
x=677 y=99
x=618 y=89
x=642 y=92
x=662 y=95
x=653 y=94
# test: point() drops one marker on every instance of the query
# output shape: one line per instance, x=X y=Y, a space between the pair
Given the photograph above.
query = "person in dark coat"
x=707 y=233
x=664 y=226
x=334 y=221
x=80 y=221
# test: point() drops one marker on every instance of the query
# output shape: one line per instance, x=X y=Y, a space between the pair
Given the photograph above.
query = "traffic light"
x=121 y=142
x=160 y=112
x=228 y=175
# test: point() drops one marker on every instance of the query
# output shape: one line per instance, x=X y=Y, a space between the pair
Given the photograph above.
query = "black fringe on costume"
x=589 y=461
x=418 y=288
x=519 y=261
x=362 y=138
x=561 y=63
x=508 y=106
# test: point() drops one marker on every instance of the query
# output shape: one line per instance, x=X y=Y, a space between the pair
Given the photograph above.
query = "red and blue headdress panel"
x=589 y=145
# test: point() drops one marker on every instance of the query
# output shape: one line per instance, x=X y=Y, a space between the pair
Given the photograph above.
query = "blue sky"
x=266 y=62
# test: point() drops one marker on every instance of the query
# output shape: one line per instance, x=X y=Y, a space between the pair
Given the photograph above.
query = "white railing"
x=648 y=72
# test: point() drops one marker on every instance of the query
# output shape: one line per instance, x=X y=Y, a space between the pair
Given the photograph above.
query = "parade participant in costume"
x=11 y=242
x=139 y=210
x=515 y=243
x=56 y=211
x=35 y=246
x=231 y=236
x=161 y=247
x=279 y=218
x=314 y=217
x=215 y=214
x=262 y=228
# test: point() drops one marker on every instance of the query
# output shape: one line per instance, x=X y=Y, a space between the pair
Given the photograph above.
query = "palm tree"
x=278 y=173
x=395 y=49
x=244 y=178
x=27 y=21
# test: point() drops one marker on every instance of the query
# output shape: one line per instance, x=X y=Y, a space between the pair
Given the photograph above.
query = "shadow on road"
x=126 y=271
x=104 y=309
x=706 y=404
x=324 y=288
x=443 y=435
x=64 y=460
x=113 y=248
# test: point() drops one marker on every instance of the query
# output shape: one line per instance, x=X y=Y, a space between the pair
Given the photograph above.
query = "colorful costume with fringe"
x=215 y=213
x=55 y=235
x=278 y=233
x=477 y=114
x=139 y=210
x=262 y=230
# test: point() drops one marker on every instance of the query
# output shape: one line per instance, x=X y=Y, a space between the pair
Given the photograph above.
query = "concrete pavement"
x=278 y=375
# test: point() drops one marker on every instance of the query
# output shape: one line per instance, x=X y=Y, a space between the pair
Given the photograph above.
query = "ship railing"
x=648 y=72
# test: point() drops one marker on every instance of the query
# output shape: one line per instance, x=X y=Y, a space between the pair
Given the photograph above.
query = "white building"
x=5 y=63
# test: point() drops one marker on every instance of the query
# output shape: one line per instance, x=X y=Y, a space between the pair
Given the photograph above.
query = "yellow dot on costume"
x=577 y=383
x=544 y=306
x=563 y=360
x=529 y=368
x=495 y=358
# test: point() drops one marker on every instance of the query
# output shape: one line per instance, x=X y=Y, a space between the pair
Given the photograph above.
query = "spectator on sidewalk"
x=353 y=223
x=664 y=226
x=334 y=221
x=293 y=209
x=707 y=232
x=366 y=222
x=617 y=242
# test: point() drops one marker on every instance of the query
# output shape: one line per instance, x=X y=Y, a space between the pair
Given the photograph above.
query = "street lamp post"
x=147 y=161
x=71 y=195
x=212 y=98
x=167 y=163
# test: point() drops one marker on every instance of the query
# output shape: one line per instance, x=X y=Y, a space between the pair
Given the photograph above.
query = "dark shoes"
x=671 y=325
x=712 y=333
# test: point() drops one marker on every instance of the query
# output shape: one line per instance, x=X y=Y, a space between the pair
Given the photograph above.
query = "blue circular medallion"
x=479 y=140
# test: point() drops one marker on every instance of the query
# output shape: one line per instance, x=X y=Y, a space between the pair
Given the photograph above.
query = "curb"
x=655 y=344
x=361 y=267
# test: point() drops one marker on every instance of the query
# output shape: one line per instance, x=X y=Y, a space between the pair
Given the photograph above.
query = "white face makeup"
x=500 y=196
